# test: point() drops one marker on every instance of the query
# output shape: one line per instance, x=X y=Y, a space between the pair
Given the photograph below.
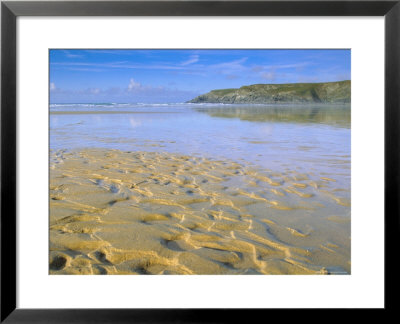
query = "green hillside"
x=327 y=92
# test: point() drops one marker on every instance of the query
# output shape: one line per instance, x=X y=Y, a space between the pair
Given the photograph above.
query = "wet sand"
x=119 y=212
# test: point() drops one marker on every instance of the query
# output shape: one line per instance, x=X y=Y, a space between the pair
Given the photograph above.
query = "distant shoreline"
x=99 y=112
x=196 y=104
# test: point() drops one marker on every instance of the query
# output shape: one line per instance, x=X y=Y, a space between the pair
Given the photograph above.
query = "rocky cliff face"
x=328 y=92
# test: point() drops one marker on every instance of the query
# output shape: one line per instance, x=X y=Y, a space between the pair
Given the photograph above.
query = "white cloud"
x=86 y=69
x=52 y=86
x=116 y=65
x=94 y=91
x=69 y=55
x=270 y=76
x=191 y=60
x=231 y=67
x=133 y=85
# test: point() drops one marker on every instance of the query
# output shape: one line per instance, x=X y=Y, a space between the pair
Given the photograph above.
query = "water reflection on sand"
x=338 y=115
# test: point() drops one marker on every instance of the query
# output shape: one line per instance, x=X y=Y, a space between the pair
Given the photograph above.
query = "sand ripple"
x=114 y=212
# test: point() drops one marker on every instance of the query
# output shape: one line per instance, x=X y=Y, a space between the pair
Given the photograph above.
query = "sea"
x=305 y=137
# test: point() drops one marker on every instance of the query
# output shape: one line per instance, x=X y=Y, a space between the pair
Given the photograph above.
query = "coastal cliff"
x=327 y=92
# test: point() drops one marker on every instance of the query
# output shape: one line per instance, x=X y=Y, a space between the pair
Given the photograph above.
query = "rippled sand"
x=115 y=212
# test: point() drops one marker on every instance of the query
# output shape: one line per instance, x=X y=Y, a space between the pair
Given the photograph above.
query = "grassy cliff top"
x=326 y=92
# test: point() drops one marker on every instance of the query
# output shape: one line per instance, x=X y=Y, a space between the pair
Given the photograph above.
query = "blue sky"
x=131 y=76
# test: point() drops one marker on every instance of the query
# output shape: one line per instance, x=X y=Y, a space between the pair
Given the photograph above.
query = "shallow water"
x=316 y=137
x=297 y=156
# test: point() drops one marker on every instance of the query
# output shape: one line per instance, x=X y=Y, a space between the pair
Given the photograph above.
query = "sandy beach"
x=125 y=212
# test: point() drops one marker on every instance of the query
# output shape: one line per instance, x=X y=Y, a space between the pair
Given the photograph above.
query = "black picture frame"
x=10 y=10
